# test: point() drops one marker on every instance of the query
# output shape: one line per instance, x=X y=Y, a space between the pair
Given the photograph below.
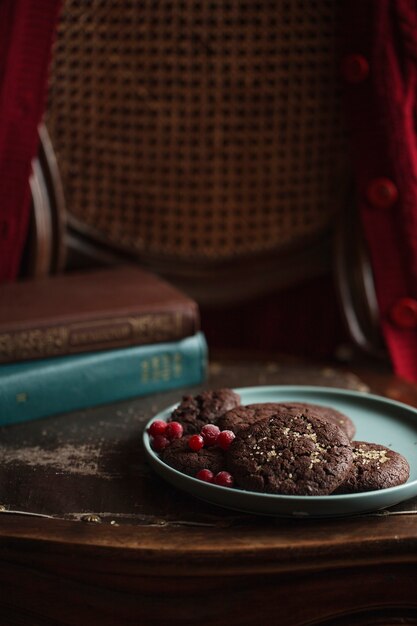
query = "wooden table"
x=119 y=546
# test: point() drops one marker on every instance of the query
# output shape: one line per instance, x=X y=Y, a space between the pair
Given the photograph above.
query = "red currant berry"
x=196 y=442
x=173 y=430
x=159 y=443
x=225 y=439
x=206 y=475
x=210 y=432
x=224 y=479
x=157 y=428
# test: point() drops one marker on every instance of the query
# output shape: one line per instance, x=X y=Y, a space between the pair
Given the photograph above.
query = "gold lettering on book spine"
x=100 y=334
x=157 y=326
x=28 y=344
x=44 y=342
x=163 y=367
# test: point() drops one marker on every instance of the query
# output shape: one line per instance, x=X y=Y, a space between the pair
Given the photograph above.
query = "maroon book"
x=90 y=311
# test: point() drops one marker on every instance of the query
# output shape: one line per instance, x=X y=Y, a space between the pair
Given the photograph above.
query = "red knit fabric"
x=382 y=112
x=27 y=28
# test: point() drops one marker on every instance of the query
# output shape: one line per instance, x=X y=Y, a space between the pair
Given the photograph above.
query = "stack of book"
x=79 y=340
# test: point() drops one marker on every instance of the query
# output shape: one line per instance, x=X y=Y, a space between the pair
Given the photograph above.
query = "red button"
x=355 y=68
x=382 y=193
x=404 y=313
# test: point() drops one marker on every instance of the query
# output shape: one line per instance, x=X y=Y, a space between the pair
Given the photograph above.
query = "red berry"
x=225 y=439
x=196 y=442
x=157 y=428
x=159 y=443
x=224 y=479
x=206 y=475
x=210 y=432
x=173 y=430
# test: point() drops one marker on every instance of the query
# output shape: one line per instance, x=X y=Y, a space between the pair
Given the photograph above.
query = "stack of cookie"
x=279 y=448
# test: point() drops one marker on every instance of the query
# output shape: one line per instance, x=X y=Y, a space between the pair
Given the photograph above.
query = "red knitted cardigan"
x=27 y=29
x=379 y=65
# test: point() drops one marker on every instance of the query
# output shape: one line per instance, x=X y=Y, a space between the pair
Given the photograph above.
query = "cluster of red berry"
x=224 y=479
x=211 y=435
x=162 y=433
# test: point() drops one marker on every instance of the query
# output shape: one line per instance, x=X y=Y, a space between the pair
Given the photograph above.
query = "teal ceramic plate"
x=377 y=420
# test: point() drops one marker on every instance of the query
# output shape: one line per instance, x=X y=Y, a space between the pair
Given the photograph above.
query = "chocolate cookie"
x=180 y=456
x=244 y=416
x=194 y=412
x=328 y=413
x=290 y=453
x=374 y=467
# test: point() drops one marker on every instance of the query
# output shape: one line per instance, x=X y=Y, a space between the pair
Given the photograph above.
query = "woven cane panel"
x=199 y=129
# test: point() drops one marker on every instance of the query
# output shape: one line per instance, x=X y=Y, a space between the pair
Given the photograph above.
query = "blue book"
x=34 y=389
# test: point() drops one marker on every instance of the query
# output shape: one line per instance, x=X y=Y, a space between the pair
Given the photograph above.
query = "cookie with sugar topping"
x=180 y=456
x=334 y=416
x=290 y=453
x=194 y=412
x=374 y=467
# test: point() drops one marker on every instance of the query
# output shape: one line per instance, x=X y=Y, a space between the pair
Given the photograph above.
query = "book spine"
x=38 y=389
x=99 y=334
